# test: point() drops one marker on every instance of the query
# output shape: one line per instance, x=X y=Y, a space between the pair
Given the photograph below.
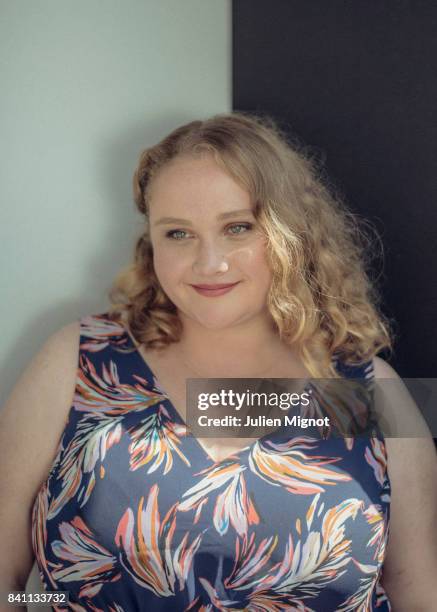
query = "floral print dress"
x=135 y=515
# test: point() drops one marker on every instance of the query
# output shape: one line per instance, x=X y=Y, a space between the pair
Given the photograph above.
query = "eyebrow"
x=226 y=215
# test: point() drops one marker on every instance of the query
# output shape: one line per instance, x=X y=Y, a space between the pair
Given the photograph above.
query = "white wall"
x=86 y=85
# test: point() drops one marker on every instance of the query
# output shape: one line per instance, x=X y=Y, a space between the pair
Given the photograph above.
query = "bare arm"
x=410 y=567
x=31 y=425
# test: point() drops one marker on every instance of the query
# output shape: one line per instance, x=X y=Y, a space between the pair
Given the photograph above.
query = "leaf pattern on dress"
x=105 y=402
x=89 y=561
x=307 y=566
x=375 y=518
x=156 y=438
x=94 y=436
x=361 y=600
x=233 y=505
x=105 y=393
x=318 y=559
x=249 y=561
x=376 y=457
x=288 y=466
x=40 y=513
x=260 y=602
x=100 y=332
x=140 y=554
x=74 y=607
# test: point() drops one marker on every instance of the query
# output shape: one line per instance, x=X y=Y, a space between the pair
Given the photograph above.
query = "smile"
x=214 y=291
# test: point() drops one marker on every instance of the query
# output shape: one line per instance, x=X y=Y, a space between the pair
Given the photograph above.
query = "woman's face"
x=212 y=223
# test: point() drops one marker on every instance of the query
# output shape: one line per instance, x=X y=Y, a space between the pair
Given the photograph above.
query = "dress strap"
x=364 y=370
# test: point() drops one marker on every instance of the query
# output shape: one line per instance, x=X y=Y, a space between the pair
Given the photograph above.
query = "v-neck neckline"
x=156 y=383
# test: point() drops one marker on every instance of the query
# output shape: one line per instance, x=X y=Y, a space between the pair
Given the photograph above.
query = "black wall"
x=357 y=81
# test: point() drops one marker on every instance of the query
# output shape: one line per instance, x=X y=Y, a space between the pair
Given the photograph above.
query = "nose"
x=208 y=259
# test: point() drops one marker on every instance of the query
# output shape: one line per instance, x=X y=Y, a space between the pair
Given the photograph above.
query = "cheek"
x=252 y=258
x=167 y=266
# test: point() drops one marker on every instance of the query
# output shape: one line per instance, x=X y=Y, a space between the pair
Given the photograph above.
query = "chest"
x=313 y=509
x=171 y=376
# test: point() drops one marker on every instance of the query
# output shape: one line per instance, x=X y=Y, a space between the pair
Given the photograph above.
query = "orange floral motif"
x=233 y=505
x=141 y=556
x=288 y=466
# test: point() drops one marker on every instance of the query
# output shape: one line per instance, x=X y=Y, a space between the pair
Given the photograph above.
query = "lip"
x=214 y=287
x=214 y=290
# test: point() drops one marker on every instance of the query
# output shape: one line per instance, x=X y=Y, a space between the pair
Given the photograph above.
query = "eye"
x=176 y=233
x=246 y=226
x=171 y=234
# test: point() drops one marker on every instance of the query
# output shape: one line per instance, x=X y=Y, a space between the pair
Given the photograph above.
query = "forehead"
x=195 y=184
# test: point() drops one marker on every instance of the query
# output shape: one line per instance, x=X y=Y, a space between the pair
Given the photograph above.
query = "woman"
x=130 y=511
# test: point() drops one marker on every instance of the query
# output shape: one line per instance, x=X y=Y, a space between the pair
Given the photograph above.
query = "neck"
x=248 y=349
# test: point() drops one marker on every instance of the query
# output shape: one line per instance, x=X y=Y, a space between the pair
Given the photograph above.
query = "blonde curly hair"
x=321 y=297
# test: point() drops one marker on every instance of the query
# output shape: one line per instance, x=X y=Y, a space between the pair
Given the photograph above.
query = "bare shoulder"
x=382 y=369
x=411 y=454
x=410 y=447
x=49 y=374
x=60 y=350
x=32 y=421
x=412 y=468
x=52 y=368
x=396 y=404
x=35 y=412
